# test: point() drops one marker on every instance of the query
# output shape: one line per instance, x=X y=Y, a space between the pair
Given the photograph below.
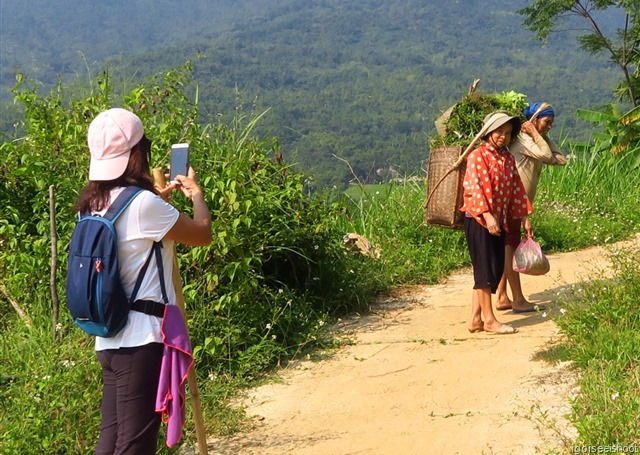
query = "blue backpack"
x=95 y=296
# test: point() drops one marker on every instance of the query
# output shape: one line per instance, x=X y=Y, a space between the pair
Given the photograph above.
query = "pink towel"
x=176 y=361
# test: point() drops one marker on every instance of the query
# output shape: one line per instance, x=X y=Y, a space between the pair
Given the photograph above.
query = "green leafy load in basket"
x=465 y=117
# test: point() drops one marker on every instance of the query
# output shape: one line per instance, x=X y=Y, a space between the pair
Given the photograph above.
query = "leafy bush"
x=591 y=200
x=274 y=276
x=259 y=294
x=49 y=394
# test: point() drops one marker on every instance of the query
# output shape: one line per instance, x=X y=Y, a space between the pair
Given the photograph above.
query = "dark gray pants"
x=487 y=255
x=130 y=382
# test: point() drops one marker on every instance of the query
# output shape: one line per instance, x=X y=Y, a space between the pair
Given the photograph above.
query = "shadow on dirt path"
x=413 y=380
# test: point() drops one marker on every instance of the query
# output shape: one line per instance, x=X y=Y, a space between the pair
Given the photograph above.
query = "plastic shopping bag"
x=529 y=259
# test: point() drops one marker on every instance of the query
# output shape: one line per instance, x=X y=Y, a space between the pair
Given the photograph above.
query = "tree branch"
x=16 y=306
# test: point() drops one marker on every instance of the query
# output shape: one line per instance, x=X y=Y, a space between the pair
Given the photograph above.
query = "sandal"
x=504 y=330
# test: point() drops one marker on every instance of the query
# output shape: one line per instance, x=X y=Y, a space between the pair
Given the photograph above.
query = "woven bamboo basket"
x=445 y=187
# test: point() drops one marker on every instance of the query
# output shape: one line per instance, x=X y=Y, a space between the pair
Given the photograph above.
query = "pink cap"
x=112 y=135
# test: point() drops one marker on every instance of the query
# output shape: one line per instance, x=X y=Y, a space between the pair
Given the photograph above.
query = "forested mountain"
x=361 y=80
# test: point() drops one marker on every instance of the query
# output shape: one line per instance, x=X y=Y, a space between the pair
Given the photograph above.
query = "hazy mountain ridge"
x=361 y=80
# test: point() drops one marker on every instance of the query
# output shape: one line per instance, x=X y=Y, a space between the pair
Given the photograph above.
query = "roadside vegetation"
x=264 y=292
x=593 y=201
x=277 y=273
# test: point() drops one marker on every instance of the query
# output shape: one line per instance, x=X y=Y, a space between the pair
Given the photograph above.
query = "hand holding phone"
x=179 y=160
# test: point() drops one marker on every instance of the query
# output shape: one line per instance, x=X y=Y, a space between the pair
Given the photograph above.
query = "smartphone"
x=179 y=160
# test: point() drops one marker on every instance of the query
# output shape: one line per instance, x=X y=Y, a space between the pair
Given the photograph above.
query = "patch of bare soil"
x=415 y=381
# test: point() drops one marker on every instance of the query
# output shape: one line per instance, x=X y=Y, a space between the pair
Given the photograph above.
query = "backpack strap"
x=122 y=202
x=148 y=306
x=144 y=306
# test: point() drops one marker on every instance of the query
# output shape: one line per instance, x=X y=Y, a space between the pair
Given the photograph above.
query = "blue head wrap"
x=533 y=107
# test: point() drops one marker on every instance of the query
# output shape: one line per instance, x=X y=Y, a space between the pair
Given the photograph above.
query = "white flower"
x=563 y=311
x=269 y=326
x=615 y=395
x=544 y=315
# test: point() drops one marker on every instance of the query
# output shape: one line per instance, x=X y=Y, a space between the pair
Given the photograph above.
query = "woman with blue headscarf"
x=532 y=149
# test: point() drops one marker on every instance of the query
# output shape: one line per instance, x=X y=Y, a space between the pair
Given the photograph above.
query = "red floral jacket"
x=492 y=184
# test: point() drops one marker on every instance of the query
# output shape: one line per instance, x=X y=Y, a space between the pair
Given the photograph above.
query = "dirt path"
x=415 y=381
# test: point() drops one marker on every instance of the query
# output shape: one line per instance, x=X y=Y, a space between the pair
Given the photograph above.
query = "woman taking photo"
x=131 y=360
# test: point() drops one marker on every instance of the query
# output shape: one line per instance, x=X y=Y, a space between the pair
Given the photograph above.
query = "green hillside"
x=362 y=81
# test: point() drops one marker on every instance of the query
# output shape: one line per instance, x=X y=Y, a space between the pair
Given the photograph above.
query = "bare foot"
x=476 y=325
x=504 y=304
x=527 y=307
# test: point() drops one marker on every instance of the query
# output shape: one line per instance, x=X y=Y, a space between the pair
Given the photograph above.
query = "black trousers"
x=130 y=382
x=487 y=254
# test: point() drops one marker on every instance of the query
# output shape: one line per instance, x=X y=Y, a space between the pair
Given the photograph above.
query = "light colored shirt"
x=530 y=154
x=147 y=219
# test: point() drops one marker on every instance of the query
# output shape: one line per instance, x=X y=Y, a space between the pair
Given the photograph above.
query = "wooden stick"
x=194 y=392
x=16 y=306
x=55 y=303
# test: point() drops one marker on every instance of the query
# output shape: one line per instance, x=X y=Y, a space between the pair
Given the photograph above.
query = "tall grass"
x=275 y=274
x=591 y=200
x=594 y=200
x=392 y=217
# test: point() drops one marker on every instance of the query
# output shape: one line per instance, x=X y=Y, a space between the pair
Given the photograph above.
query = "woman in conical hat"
x=493 y=193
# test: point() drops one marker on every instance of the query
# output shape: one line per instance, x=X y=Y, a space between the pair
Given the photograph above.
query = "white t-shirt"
x=147 y=219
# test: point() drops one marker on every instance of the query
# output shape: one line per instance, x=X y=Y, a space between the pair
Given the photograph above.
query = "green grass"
x=392 y=217
x=593 y=200
x=602 y=324
x=277 y=272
